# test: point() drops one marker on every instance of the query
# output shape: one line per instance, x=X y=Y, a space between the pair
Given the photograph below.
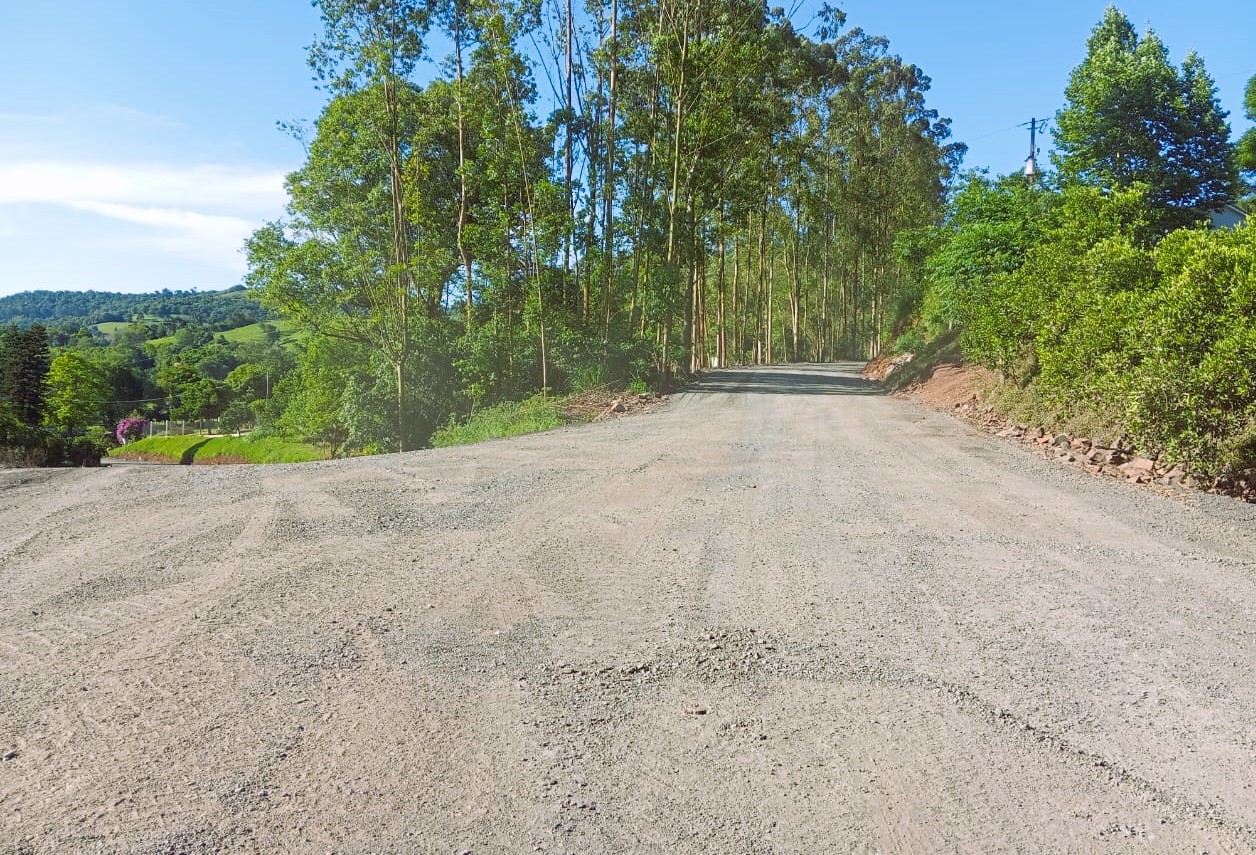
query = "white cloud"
x=208 y=237
x=31 y=118
x=222 y=189
x=165 y=217
x=201 y=213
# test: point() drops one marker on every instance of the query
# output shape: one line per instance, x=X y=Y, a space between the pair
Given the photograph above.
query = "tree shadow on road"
x=800 y=380
x=189 y=454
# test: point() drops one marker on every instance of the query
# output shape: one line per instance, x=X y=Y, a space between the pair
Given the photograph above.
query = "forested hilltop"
x=69 y=311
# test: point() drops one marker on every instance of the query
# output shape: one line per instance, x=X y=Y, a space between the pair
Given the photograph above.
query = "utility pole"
x=1031 y=162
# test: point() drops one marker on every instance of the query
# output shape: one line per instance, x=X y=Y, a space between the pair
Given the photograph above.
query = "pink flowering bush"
x=131 y=428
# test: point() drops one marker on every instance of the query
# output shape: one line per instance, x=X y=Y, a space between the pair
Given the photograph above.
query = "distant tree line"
x=713 y=187
x=70 y=310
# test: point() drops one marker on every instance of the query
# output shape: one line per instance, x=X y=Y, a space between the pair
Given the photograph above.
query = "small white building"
x=1226 y=217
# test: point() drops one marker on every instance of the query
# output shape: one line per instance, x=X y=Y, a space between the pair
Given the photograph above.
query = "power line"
x=994 y=133
x=137 y=400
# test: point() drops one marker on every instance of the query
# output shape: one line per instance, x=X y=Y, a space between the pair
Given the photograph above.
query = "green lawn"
x=291 y=336
x=289 y=333
x=195 y=448
x=112 y=328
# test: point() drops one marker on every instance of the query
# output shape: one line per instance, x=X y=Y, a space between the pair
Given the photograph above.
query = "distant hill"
x=71 y=309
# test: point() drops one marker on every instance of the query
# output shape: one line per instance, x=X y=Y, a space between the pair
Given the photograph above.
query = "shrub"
x=910 y=341
x=507 y=419
x=130 y=429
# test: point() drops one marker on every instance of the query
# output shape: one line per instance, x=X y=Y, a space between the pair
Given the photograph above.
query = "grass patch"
x=289 y=333
x=291 y=336
x=195 y=448
x=502 y=420
x=112 y=328
x=1026 y=405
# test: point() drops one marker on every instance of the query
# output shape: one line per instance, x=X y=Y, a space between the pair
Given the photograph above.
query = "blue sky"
x=138 y=144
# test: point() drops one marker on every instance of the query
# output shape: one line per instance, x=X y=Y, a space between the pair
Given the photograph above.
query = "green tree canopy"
x=78 y=392
x=24 y=361
x=1245 y=152
x=1132 y=118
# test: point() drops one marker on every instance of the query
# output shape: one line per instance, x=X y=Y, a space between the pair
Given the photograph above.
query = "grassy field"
x=289 y=333
x=112 y=328
x=194 y=448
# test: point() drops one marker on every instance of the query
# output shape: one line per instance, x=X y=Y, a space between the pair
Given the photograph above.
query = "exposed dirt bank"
x=785 y=613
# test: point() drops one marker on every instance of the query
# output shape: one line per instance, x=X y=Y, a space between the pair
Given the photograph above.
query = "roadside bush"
x=503 y=420
x=1099 y=327
x=911 y=341
x=235 y=417
x=80 y=451
x=130 y=429
x=991 y=227
x=1193 y=393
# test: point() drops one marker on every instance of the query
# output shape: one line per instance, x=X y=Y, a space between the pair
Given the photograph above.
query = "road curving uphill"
x=786 y=613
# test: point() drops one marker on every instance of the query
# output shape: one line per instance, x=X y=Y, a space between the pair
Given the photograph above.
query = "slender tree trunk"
x=761 y=285
x=401 y=253
x=736 y=307
x=795 y=296
x=825 y=335
x=463 y=250
x=771 y=307
x=568 y=155
x=721 y=349
x=608 y=178
x=674 y=196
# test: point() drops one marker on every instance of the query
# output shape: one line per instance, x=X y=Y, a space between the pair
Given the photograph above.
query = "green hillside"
x=289 y=333
x=112 y=328
x=73 y=309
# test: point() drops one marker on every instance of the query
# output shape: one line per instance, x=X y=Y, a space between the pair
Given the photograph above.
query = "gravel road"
x=785 y=613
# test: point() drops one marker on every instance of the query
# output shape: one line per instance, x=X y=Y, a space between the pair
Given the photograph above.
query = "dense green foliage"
x=73 y=309
x=1245 y=151
x=714 y=187
x=1098 y=313
x=1101 y=323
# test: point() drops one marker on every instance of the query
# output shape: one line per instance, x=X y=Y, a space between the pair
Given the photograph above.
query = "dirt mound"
x=606 y=403
x=880 y=367
x=960 y=390
x=950 y=386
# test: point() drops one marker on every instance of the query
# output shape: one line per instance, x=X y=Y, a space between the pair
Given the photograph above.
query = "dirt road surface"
x=784 y=614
